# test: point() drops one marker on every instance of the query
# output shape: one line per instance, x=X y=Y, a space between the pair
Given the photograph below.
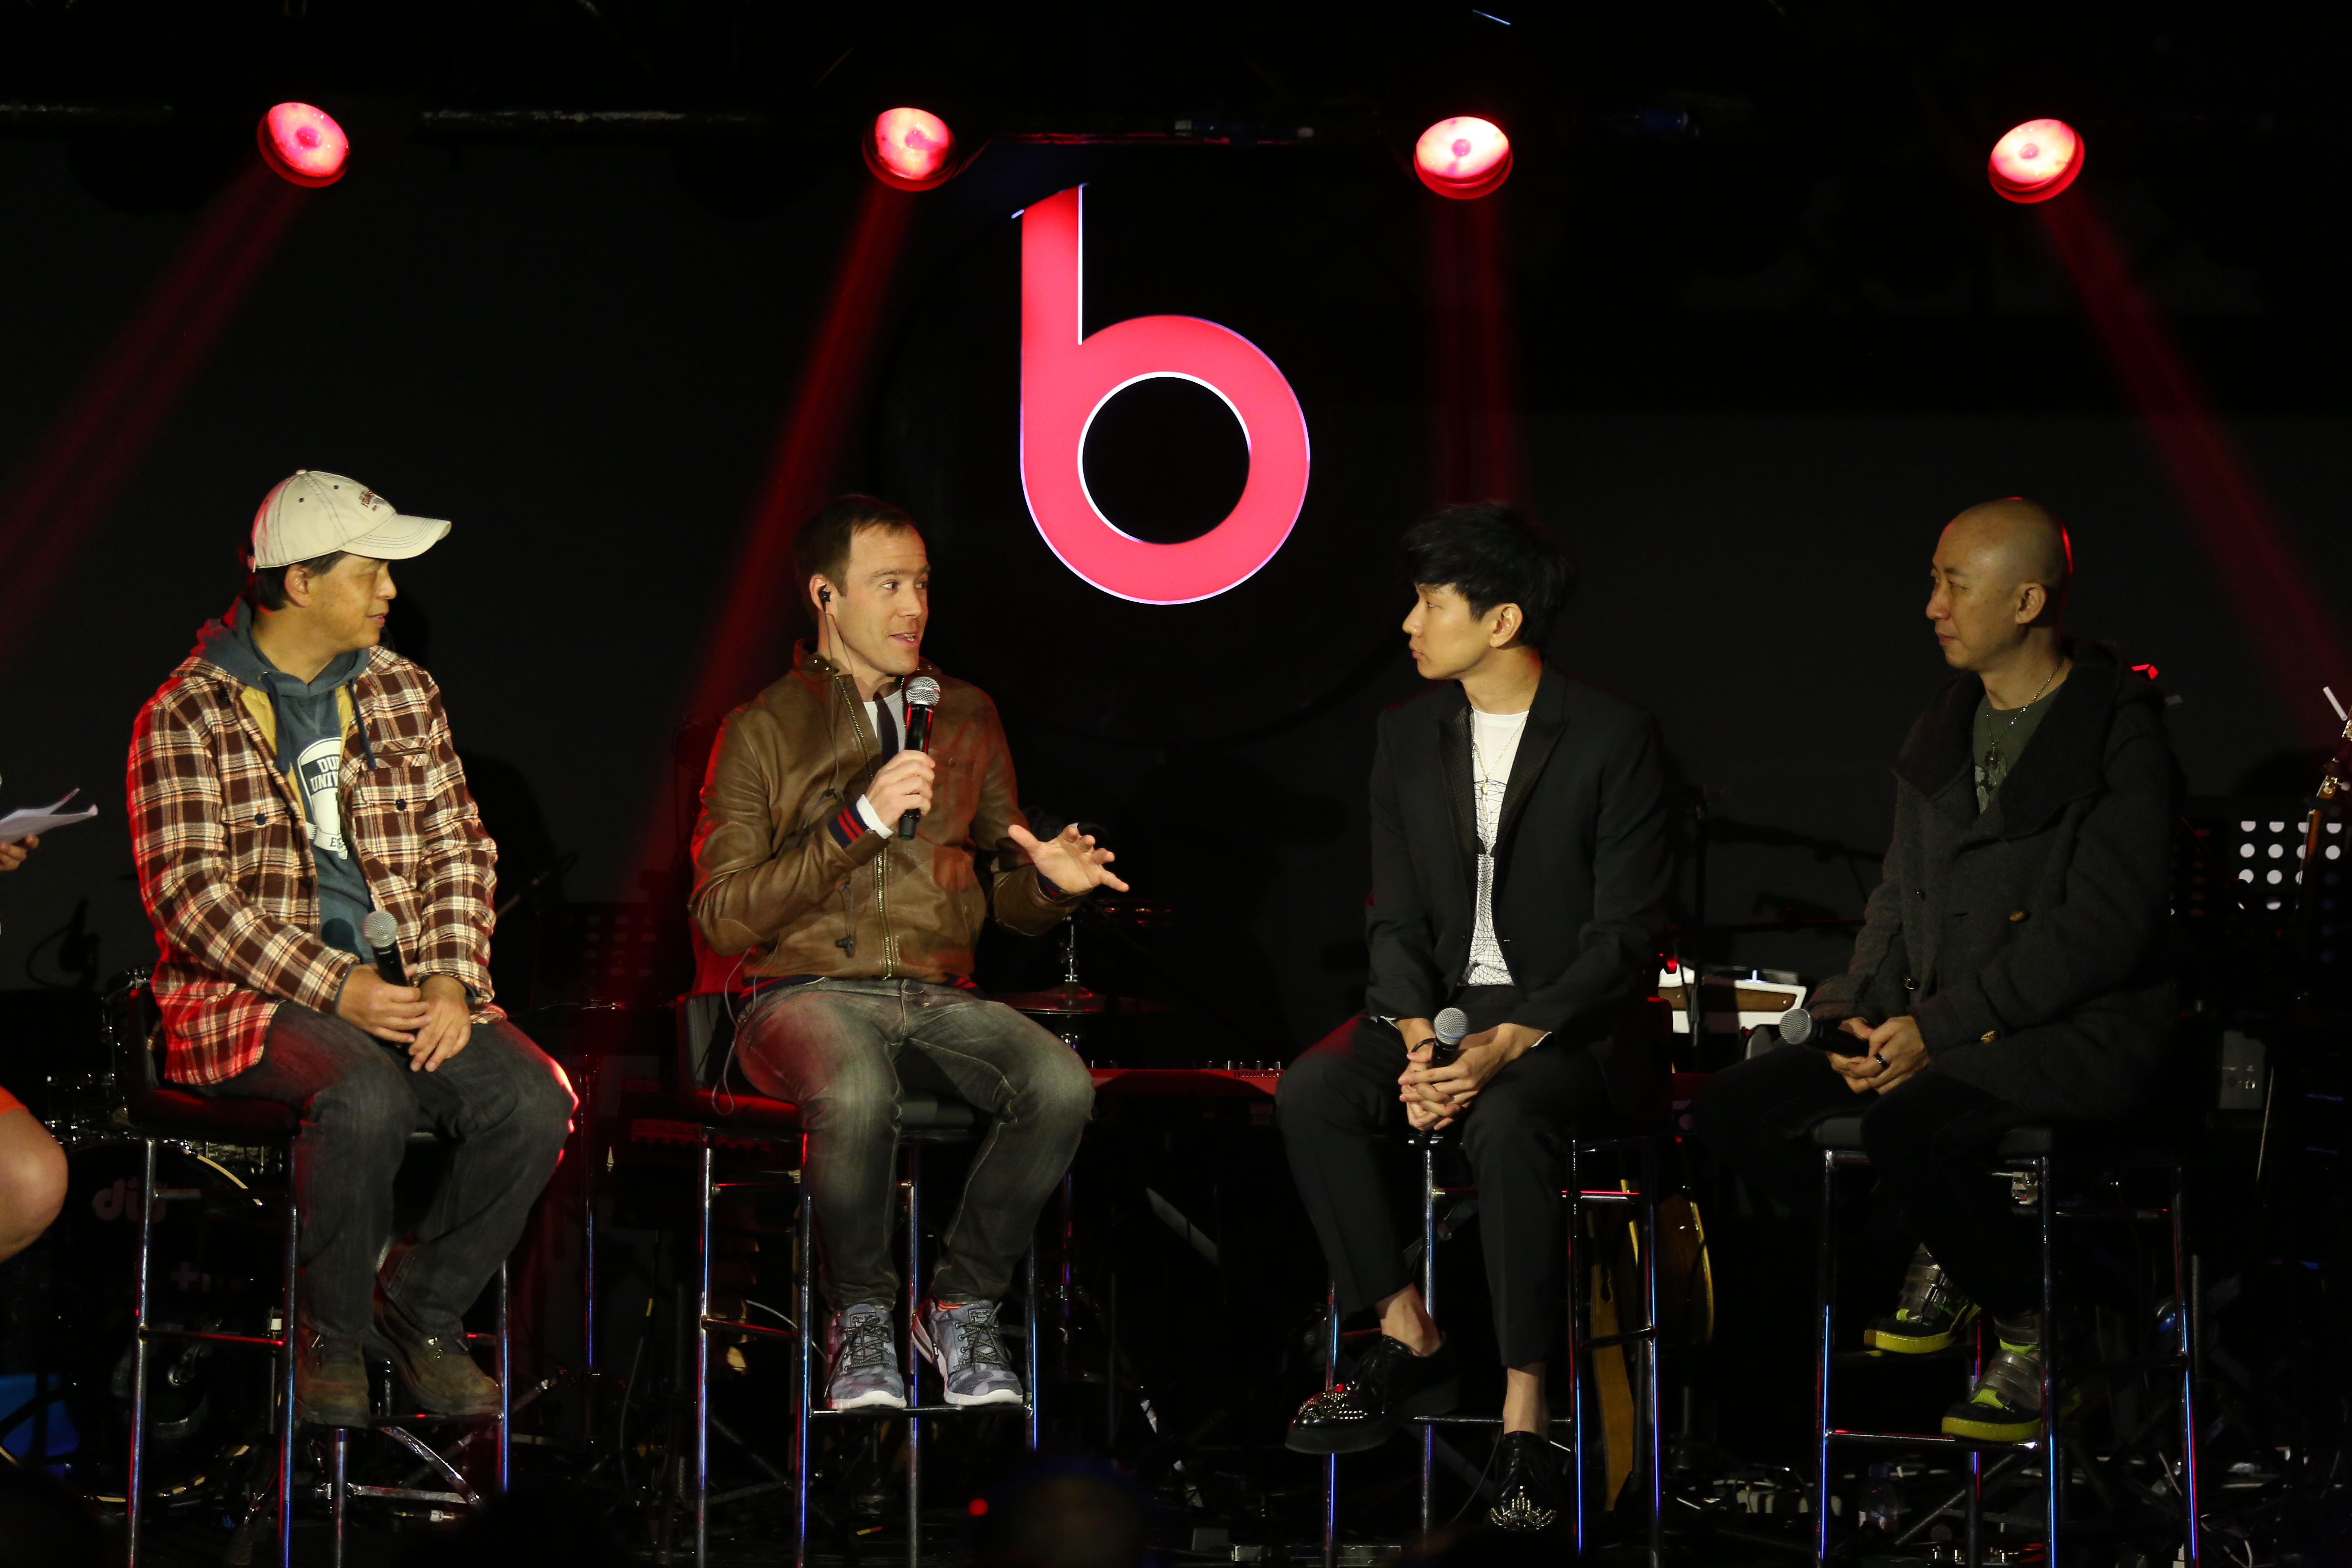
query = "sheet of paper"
x=32 y=820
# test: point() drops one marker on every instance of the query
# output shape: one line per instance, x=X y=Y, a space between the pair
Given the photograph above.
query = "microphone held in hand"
x=1451 y=1024
x=922 y=695
x=382 y=934
x=1799 y=1027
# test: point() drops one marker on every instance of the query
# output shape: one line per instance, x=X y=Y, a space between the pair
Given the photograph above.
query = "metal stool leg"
x=1650 y=1192
x=1029 y=1320
x=506 y=1384
x=1825 y=1302
x=1429 y=1305
x=1331 y=1461
x=1974 y=1518
x=702 y=1365
x=134 y=1505
x=339 y=1487
x=914 y=1360
x=2186 y=1290
x=2054 y=1456
x=804 y=1380
x=1580 y=1325
x=289 y=1348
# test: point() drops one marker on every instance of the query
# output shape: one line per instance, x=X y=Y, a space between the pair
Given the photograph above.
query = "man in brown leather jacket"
x=856 y=950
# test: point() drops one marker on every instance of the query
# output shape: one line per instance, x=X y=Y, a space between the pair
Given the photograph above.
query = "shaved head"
x=1999 y=593
x=2012 y=543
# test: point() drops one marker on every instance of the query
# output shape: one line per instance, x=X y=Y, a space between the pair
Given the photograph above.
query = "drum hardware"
x=211 y=1415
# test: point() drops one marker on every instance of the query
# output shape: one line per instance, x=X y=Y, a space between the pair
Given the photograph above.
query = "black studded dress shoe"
x=1390 y=1384
x=440 y=1368
x=1528 y=1497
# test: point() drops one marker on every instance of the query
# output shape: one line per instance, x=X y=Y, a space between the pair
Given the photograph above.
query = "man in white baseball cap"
x=291 y=777
x=313 y=514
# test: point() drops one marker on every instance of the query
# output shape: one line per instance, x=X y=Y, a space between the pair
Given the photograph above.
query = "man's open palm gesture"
x=1071 y=862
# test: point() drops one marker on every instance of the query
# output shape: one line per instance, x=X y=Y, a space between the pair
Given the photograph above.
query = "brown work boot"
x=439 y=1368
x=330 y=1381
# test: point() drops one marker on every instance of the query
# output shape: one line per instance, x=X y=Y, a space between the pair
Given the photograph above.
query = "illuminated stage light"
x=910 y=149
x=1464 y=157
x=303 y=145
x=2035 y=160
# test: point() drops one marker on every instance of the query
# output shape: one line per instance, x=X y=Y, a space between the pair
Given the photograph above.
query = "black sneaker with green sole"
x=1931 y=1315
x=2006 y=1405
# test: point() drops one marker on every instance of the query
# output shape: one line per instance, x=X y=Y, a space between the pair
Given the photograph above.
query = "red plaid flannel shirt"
x=225 y=864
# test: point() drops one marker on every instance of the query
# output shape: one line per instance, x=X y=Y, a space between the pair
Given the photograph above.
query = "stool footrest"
x=886 y=1412
x=206 y=1337
x=405 y=1494
x=733 y=1326
x=1927 y=1440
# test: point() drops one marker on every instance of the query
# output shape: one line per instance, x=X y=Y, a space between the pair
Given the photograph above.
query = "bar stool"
x=157 y=1115
x=1640 y=1152
x=928 y=1116
x=2040 y=1152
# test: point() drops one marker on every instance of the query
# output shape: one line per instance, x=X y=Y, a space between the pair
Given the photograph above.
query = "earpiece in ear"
x=825 y=596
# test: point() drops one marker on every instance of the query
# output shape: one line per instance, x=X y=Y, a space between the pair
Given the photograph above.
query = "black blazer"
x=1581 y=875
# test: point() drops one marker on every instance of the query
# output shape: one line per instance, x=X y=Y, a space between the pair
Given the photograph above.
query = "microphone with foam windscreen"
x=1451 y=1024
x=922 y=695
x=382 y=934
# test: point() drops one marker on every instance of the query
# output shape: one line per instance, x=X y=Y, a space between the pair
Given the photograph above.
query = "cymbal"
x=1064 y=1000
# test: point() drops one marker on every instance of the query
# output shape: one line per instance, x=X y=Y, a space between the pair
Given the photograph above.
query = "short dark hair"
x=821 y=549
x=266 y=588
x=1490 y=555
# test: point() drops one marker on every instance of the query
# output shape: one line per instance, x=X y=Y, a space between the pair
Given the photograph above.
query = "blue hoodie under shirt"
x=309 y=752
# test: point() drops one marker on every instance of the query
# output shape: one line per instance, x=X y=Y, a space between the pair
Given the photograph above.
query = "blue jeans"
x=499 y=1100
x=834 y=1048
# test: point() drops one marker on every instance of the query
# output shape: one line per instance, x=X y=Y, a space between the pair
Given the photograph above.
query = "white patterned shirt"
x=1493 y=742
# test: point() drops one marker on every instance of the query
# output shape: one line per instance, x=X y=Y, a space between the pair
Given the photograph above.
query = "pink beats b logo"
x=1066 y=379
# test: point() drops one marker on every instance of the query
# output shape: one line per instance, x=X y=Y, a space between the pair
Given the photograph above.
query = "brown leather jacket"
x=775 y=881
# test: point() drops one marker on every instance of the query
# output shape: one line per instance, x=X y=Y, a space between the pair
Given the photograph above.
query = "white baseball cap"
x=314 y=513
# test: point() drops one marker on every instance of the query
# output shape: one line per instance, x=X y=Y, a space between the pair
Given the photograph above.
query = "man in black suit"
x=1519 y=872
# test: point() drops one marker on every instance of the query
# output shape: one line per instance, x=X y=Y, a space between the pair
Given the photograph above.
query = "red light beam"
x=2297 y=633
x=743 y=649
x=1472 y=373
x=95 y=446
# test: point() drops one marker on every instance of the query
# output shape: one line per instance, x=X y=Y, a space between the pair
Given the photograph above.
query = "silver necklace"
x=1992 y=761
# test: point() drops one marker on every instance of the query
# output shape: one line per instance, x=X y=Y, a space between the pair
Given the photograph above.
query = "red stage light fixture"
x=1464 y=157
x=2035 y=160
x=910 y=149
x=303 y=145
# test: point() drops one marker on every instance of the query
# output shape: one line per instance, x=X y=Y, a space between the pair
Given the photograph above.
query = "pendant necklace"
x=1992 y=762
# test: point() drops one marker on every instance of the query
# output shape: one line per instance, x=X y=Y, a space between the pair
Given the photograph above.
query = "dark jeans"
x=835 y=1047
x=502 y=1104
x=1929 y=1139
x=1339 y=1098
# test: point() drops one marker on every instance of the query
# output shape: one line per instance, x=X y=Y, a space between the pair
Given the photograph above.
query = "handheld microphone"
x=1799 y=1027
x=1451 y=1024
x=381 y=933
x=922 y=695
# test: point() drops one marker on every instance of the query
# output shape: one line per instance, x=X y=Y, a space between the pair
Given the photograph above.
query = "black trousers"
x=1929 y=1139
x=1337 y=1101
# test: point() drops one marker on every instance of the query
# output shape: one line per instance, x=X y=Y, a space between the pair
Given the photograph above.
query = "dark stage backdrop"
x=584 y=366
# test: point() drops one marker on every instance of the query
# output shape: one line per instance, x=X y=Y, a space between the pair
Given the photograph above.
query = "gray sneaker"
x=968 y=1348
x=863 y=1353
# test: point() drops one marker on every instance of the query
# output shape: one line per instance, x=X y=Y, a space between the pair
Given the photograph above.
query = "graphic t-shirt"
x=311 y=746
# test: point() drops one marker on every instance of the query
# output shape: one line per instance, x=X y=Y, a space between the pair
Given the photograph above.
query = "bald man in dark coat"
x=2011 y=967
